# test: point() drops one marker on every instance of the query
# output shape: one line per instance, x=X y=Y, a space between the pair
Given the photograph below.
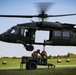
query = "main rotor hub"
x=43 y=15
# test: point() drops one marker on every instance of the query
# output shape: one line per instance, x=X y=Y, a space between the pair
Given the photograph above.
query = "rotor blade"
x=61 y=15
x=44 y=6
x=19 y=16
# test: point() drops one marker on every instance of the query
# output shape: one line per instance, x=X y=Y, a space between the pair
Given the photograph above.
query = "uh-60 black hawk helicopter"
x=60 y=34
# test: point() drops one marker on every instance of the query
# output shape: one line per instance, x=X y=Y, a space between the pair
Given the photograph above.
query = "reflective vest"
x=35 y=53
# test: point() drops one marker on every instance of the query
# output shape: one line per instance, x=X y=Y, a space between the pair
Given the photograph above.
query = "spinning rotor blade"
x=61 y=15
x=44 y=6
x=40 y=16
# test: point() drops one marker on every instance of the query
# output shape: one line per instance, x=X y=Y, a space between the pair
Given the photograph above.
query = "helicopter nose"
x=0 y=37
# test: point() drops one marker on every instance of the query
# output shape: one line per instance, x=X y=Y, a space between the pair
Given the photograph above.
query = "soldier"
x=35 y=53
x=43 y=54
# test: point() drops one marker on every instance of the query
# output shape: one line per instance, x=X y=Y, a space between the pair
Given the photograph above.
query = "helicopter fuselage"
x=59 y=34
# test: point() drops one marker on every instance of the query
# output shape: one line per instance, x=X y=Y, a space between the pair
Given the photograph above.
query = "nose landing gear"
x=29 y=47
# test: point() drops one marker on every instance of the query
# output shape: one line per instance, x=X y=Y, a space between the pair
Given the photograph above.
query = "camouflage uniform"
x=43 y=54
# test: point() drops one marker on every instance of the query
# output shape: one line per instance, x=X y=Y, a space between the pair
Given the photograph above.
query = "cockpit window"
x=13 y=30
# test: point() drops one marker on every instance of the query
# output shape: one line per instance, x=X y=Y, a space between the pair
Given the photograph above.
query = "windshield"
x=13 y=30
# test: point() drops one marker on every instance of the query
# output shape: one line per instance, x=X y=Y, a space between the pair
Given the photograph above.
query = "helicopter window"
x=24 y=32
x=57 y=34
x=66 y=34
x=12 y=30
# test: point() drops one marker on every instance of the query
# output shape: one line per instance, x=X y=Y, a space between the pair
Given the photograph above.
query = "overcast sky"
x=23 y=7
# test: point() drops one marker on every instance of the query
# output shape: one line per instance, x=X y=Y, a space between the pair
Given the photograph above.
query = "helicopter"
x=60 y=34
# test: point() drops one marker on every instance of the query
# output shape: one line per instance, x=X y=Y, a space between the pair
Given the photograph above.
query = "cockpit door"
x=27 y=35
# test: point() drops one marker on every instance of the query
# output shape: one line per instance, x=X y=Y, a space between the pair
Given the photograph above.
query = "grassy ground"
x=63 y=62
x=42 y=71
x=15 y=63
x=11 y=63
x=13 y=68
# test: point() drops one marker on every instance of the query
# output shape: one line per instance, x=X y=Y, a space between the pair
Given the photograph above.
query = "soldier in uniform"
x=43 y=54
x=35 y=53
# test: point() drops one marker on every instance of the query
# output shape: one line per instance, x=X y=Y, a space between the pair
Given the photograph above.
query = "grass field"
x=11 y=63
x=51 y=71
x=13 y=68
x=64 y=63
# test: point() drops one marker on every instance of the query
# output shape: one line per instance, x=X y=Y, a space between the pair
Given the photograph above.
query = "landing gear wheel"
x=29 y=48
x=32 y=65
